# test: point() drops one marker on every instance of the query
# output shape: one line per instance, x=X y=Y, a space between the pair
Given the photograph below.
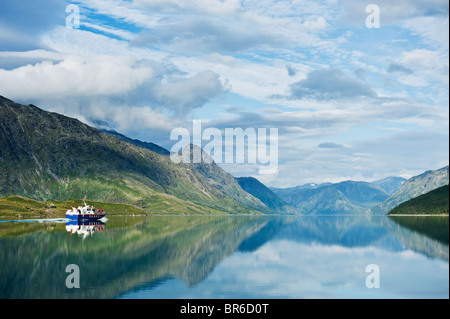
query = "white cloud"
x=429 y=65
x=432 y=29
x=330 y=84
x=183 y=95
x=129 y=117
x=74 y=76
x=144 y=63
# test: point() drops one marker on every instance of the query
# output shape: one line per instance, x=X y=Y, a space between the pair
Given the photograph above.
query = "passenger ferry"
x=86 y=212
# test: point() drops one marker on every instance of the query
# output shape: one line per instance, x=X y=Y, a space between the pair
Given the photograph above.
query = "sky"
x=350 y=102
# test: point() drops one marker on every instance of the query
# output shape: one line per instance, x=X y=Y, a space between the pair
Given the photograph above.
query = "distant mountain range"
x=351 y=197
x=347 y=197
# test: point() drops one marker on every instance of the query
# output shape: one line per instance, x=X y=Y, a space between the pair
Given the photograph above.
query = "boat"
x=85 y=212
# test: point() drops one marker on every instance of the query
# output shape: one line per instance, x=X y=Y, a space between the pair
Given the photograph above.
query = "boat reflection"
x=84 y=227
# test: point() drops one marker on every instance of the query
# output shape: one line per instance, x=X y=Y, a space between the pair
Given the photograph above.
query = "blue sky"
x=350 y=102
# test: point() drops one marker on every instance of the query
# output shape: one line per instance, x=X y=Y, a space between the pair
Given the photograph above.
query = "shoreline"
x=421 y=215
x=212 y=215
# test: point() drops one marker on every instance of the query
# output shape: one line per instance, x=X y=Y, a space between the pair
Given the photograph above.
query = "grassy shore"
x=18 y=206
x=22 y=207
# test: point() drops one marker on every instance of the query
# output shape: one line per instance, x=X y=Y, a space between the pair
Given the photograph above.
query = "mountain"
x=46 y=155
x=150 y=146
x=361 y=194
x=413 y=187
x=264 y=194
x=203 y=165
x=390 y=184
x=321 y=201
x=433 y=202
x=347 y=197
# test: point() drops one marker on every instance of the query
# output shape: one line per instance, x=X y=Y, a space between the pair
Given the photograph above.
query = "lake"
x=227 y=257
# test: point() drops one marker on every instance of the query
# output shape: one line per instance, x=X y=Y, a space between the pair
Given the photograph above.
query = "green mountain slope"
x=46 y=155
x=413 y=187
x=433 y=202
x=259 y=190
x=347 y=197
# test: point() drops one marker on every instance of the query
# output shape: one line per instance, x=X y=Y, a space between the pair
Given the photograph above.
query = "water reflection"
x=222 y=256
x=435 y=227
x=84 y=227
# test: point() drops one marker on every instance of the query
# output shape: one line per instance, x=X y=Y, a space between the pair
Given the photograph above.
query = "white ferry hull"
x=85 y=213
x=85 y=216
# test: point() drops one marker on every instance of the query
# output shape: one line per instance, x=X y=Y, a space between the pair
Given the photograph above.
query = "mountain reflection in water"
x=227 y=257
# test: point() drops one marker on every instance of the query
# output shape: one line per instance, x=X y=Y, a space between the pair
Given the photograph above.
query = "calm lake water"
x=227 y=257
